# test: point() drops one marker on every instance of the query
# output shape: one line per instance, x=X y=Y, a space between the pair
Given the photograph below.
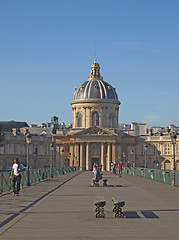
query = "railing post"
x=1 y=190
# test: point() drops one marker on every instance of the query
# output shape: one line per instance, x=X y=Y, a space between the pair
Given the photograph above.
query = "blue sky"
x=47 y=48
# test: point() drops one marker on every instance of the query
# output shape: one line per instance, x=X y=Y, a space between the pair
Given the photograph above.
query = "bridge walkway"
x=63 y=208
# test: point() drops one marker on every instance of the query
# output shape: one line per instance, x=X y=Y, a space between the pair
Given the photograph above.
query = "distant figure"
x=95 y=173
x=120 y=169
x=128 y=167
x=17 y=168
x=112 y=167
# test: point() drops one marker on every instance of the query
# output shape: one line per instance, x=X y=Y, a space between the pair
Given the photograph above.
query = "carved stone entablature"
x=95 y=131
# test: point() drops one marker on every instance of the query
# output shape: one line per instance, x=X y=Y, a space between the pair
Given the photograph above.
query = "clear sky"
x=47 y=48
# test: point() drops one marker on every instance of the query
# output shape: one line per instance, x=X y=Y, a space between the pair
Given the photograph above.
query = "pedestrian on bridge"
x=120 y=169
x=15 y=176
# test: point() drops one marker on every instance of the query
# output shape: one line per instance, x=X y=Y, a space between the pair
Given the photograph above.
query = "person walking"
x=128 y=167
x=120 y=169
x=15 y=176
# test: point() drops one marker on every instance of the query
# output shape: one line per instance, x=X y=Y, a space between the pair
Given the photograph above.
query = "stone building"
x=96 y=138
x=159 y=153
x=14 y=145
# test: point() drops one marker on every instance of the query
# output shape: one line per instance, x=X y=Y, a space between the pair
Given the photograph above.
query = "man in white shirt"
x=16 y=176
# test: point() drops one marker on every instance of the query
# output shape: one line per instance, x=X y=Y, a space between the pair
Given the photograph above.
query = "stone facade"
x=95 y=136
x=160 y=152
x=15 y=146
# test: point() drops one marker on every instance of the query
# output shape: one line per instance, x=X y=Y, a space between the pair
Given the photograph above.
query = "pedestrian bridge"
x=63 y=208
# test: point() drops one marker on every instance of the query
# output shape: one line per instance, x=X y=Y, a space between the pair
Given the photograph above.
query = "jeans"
x=18 y=180
x=120 y=172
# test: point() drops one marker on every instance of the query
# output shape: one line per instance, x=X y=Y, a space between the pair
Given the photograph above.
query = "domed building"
x=95 y=102
x=94 y=136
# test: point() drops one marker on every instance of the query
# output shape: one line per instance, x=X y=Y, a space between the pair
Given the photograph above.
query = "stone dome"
x=95 y=88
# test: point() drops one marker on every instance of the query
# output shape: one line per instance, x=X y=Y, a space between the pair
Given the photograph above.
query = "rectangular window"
x=167 y=149
x=46 y=149
x=35 y=149
x=177 y=148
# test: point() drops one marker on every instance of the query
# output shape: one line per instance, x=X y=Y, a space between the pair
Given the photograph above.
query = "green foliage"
x=1 y=134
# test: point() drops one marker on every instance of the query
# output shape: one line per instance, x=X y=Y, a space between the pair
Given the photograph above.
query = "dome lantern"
x=95 y=71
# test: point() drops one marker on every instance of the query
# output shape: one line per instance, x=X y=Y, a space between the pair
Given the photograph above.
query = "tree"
x=1 y=134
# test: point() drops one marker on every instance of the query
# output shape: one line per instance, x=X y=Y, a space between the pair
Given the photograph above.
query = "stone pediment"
x=95 y=131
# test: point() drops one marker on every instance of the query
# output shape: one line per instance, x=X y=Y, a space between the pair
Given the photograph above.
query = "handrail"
x=161 y=175
x=36 y=175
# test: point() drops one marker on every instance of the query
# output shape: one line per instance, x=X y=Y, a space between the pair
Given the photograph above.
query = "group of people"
x=97 y=171
x=116 y=168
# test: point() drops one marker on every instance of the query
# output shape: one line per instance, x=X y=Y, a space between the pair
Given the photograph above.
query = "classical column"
x=103 y=157
x=84 y=122
x=77 y=155
x=108 y=163
x=88 y=117
x=113 y=152
x=71 y=155
x=82 y=160
x=117 y=117
x=74 y=117
x=87 y=157
x=100 y=119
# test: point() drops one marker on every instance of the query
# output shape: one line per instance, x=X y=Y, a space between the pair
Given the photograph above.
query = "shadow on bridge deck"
x=63 y=208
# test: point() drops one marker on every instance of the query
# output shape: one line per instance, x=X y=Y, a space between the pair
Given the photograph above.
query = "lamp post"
x=123 y=158
x=51 y=160
x=132 y=154
x=28 y=141
x=76 y=162
x=69 y=159
x=156 y=159
x=173 y=136
x=145 y=151
x=62 y=157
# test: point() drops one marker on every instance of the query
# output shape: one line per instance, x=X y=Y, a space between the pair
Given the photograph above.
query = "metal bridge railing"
x=36 y=175
x=165 y=176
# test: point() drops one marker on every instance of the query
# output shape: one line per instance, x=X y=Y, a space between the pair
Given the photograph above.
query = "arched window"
x=79 y=120
x=95 y=119
x=167 y=165
x=111 y=120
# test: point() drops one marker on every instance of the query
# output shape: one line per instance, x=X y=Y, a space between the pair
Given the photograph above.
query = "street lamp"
x=51 y=160
x=123 y=159
x=145 y=151
x=156 y=159
x=173 y=136
x=28 y=141
x=132 y=154
x=62 y=156
x=69 y=159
